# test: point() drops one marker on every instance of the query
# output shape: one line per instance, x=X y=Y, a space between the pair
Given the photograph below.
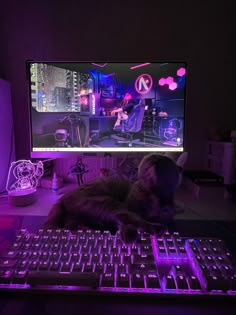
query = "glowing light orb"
x=169 y=80
x=162 y=81
x=181 y=72
x=173 y=86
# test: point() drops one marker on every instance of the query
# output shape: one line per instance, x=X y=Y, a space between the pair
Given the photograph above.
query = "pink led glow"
x=143 y=83
x=84 y=100
x=173 y=86
x=181 y=72
x=101 y=65
x=169 y=80
x=141 y=65
x=162 y=81
x=127 y=97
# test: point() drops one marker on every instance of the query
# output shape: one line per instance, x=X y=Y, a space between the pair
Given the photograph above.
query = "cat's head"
x=159 y=173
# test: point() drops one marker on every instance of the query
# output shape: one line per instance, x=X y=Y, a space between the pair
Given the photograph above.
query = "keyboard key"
x=11 y=254
x=217 y=283
x=88 y=279
x=152 y=281
x=181 y=282
x=137 y=281
x=126 y=259
x=122 y=280
x=88 y=267
x=95 y=258
x=143 y=268
x=194 y=283
x=19 y=277
x=5 y=276
x=33 y=265
x=66 y=267
x=116 y=259
x=215 y=271
x=7 y=263
x=99 y=268
x=44 y=266
x=108 y=280
x=121 y=268
x=143 y=258
x=77 y=267
x=110 y=268
x=169 y=282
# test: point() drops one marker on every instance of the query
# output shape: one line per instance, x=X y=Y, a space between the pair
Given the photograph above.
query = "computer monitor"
x=106 y=107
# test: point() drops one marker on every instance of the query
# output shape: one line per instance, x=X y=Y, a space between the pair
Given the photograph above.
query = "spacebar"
x=88 y=279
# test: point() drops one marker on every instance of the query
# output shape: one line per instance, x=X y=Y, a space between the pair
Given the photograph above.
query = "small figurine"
x=79 y=169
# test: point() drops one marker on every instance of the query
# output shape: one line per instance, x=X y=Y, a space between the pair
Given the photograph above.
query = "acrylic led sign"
x=143 y=83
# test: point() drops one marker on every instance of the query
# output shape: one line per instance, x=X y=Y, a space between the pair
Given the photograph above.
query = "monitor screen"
x=106 y=107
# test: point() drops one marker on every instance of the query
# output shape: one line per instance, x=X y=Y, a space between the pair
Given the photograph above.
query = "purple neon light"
x=173 y=86
x=141 y=65
x=99 y=65
x=181 y=72
x=146 y=81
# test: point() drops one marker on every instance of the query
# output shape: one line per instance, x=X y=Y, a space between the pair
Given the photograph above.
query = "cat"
x=113 y=204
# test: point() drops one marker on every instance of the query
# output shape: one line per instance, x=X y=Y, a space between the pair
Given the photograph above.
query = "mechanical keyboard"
x=98 y=262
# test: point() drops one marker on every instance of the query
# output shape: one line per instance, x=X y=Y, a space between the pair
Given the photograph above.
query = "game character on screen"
x=123 y=111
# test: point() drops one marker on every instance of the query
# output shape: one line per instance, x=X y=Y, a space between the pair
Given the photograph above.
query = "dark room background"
x=201 y=34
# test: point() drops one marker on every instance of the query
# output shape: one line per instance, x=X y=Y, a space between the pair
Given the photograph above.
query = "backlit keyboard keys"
x=116 y=259
x=19 y=277
x=217 y=283
x=33 y=265
x=137 y=281
x=88 y=267
x=143 y=268
x=169 y=282
x=162 y=253
x=110 y=268
x=77 y=267
x=171 y=252
x=108 y=280
x=99 y=268
x=143 y=258
x=122 y=280
x=7 y=263
x=182 y=252
x=152 y=281
x=181 y=282
x=194 y=283
x=5 y=276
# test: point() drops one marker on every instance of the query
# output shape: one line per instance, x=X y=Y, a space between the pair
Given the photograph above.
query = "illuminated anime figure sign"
x=24 y=174
x=143 y=83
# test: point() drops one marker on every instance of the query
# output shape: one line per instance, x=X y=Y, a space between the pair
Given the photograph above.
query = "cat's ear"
x=182 y=159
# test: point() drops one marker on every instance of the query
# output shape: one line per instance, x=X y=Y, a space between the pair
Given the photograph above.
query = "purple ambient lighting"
x=143 y=84
x=141 y=65
x=173 y=86
x=99 y=65
x=181 y=72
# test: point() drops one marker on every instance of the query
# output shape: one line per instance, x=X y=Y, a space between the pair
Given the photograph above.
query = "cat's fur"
x=112 y=204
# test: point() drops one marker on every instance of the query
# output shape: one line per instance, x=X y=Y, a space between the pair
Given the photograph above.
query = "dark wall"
x=202 y=36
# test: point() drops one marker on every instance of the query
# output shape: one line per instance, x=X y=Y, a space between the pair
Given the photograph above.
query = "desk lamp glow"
x=22 y=182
